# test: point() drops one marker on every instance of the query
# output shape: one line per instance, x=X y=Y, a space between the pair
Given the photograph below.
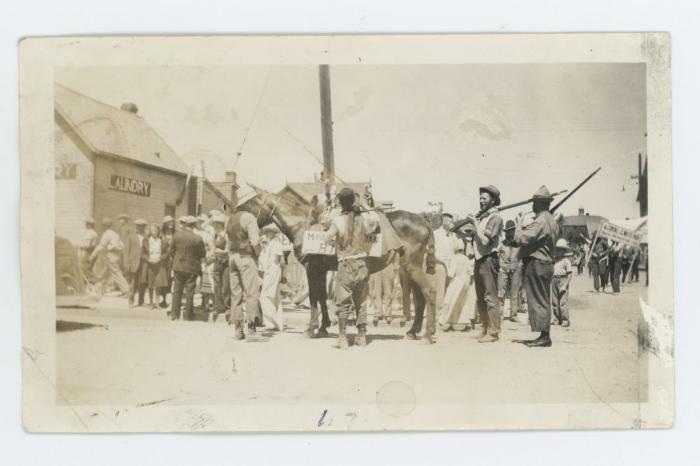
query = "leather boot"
x=361 y=339
x=239 y=334
x=342 y=341
x=544 y=341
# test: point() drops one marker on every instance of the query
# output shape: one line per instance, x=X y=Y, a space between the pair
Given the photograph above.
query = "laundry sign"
x=129 y=185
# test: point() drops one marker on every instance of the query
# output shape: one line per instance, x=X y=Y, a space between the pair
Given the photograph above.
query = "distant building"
x=109 y=161
x=306 y=191
x=583 y=224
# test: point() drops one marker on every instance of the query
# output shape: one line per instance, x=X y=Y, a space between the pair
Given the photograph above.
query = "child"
x=560 y=282
x=152 y=255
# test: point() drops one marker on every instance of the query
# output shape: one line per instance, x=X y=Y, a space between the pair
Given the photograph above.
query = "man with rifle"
x=536 y=242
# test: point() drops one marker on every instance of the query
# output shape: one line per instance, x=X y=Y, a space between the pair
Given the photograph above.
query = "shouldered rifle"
x=461 y=223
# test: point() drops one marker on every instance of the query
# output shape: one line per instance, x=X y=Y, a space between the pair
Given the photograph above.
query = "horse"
x=416 y=255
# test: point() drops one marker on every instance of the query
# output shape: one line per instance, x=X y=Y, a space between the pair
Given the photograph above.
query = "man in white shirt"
x=270 y=264
x=111 y=246
x=446 y=244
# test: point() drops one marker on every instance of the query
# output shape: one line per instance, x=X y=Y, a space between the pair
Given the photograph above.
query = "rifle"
x=558 y=204
x=461 y=223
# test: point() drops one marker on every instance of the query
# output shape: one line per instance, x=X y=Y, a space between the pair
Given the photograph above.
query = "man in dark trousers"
x=536 y=242
x=487 y=236
x=187 y=250
x=131 y=254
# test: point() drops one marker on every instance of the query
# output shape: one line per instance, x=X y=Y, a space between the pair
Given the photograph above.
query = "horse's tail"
x=430 y=254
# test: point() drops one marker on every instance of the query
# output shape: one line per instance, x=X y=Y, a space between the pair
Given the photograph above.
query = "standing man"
x=131 y=255
x=244 y=247
x=447 y=243
x=536 y=242
x=88 y=243
x=510 y=272
x=487 y=235
x=136 y=286
x=187 y=251
x=351 y=232
x=222 y=287
x=111 y=245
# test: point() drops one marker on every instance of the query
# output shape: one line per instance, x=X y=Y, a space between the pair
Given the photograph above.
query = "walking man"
x=187 y=251
x=111 y=246
x=536 y=242
x=131 y=255
x=510 y=272
x=487 y=236
x=351 y=233
x=244 y=247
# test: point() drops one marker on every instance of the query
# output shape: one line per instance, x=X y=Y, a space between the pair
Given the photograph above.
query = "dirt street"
x=138 y=357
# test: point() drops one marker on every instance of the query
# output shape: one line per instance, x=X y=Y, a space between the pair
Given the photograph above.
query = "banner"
x=315 y=242
x=620 y=234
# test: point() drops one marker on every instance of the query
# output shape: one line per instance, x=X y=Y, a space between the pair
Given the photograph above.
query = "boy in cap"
x=560 y=282
x=536 y=241
x=487 y=235
x=510 y=272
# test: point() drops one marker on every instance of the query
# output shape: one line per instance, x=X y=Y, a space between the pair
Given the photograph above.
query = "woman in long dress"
x=459 y=306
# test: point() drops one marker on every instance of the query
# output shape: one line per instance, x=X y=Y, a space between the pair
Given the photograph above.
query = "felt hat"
x=562 y=244
x=493 y=191
x=167 y=219
x=543 y=193
x=190 y=220
x=123 y=216
x=140 y=222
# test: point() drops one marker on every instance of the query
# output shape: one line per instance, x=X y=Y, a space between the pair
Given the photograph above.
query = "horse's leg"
x=405 y=281
x=425 y=294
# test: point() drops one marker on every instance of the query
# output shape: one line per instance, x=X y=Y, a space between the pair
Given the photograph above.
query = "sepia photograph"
x=350 y=243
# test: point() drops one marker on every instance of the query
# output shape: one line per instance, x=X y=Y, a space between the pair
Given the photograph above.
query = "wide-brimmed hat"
x=493 y=191
x=542 y=194
x=167 y=219
x=190 y=220
x=510 y=225
x=562 y=244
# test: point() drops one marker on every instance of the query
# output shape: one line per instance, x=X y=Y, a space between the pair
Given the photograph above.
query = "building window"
x=170 y=210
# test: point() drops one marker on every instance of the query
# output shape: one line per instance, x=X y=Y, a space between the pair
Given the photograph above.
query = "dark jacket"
x=187 y=251
x=131 y=254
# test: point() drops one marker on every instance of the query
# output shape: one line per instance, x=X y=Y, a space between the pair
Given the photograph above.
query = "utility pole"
x=326 y=124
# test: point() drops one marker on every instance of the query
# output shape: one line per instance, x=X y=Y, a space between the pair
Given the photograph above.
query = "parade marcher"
x=536 y=242
x=634 y=276
x=603 y=264
x=510 y=272
x=594 y=265
x=270 y=266
x=131 y=255
x=561 y=280
x=111 y=246
x=153 y=252
x=351 y=232
x=137 y=288
x=615 y=266
x=88 y=242
x=446 y=245
x=243 y=239
x=165 y=278
x=222 y=287
x=487 y=236
x=458 y=308
x=187 y=250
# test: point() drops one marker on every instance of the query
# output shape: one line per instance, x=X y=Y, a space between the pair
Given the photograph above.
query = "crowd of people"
x=483 y=266
x=194 y=256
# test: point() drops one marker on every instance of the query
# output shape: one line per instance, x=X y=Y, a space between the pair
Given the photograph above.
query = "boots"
x=342 y=342
x=544 y=341
x=239 y=334
x=361 y=339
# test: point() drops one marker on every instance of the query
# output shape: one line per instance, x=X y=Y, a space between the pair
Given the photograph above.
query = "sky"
x=420 y=133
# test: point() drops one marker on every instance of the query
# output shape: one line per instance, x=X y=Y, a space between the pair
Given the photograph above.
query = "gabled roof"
x=112 y=131
x=308 y=190
x=591 y=222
